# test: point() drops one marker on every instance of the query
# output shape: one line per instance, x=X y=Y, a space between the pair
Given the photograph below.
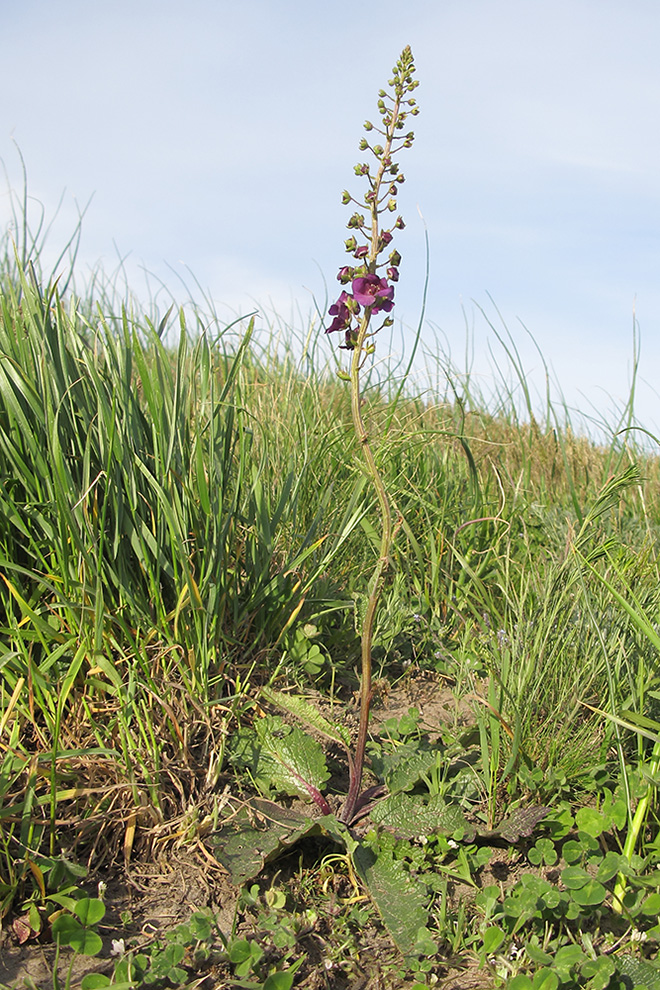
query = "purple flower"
x=341 y=312
x=372 y=291
x=361 y=252
x=393 y=274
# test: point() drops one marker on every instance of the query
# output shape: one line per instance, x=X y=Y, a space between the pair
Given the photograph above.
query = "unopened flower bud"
x=399 y=223
x=346 y=275
x=392 y=274
x=351 y=341
x=351 y=244
x=364 y=144
x=361 y=252
x=368 y=126
x=395 y=259
x=378 y=150
x=345 y=197
x=391 y=205
x=393 y=190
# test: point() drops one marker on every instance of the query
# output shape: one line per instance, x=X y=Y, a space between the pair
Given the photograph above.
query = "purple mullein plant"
x=369 y=292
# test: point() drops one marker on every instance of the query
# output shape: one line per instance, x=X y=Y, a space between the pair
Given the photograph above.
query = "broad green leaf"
x=307 y=713
x=590 y=894
x=639 y=971
x=611 y=864
x=279 y=981
x=244 y=951
x=401 y=900
x=519 y=824
x=574 y=877
x=281 y=759
x=538 y=955
x=64 y=926
x=262 y=830
x=591 y=821
x=569 y=955
x=95 y=981
x=492 y=939
x=545 y=979
x=599 y=972
x=86 y=942
x=257 y=834
x=90 y=910
x=411 y=815
x=651 y=904
x=520 y=982
x=405 y=766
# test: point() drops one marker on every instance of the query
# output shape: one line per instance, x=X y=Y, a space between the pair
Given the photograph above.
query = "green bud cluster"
x=374 y=270
x=394 y=107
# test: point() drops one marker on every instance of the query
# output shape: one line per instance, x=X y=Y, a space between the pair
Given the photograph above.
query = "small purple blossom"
x=370 y=290
x=341 y=312
x=393 y=274
x=361 y=252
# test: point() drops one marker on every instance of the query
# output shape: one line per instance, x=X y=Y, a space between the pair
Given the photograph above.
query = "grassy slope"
x=170 y=518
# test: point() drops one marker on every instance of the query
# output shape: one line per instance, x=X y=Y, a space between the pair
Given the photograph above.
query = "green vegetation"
x=181 y=528
x=187 y=539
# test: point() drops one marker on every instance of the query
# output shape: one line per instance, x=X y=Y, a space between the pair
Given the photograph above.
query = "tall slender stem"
x=376 y=579
x=373 y=294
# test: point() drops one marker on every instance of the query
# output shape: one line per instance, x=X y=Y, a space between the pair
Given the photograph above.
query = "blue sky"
x=216 y=137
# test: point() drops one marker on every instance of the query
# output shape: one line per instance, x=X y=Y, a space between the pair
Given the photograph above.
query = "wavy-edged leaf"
x=405 y=766
x=520 y=824
x=638 y=971
x=262 y=830
x=308 y=714
x=410 y=815
x=258 y=833
x=283 y=760
x=401 y=900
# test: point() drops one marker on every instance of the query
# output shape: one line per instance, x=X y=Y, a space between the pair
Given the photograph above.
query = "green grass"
x=183 y=523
